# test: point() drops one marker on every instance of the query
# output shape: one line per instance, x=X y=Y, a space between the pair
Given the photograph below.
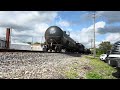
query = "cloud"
x=26 y=24
x=41 y=28
x=31 y=25
x=85 y=35
x=110 y=16
x=2 y=32
x=112 y=19
x=15 y=26
x=25 y=17
x=36 y=34
x=63 y=23
x=113 y=37
x=88 y=45
x=109 y=29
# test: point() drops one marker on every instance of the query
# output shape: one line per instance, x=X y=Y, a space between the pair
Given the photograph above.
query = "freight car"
x=56 y=39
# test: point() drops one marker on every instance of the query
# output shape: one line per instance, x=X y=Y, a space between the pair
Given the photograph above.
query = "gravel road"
x=23 y=65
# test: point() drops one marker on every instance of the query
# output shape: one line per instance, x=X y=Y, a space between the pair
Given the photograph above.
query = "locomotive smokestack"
x=7 y=38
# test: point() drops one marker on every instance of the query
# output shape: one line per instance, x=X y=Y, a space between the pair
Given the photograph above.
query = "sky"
x=30 y=26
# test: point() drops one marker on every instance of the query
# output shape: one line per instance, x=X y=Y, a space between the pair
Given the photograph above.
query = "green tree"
x=104 y=47
x=29 y=42
x=36 y=43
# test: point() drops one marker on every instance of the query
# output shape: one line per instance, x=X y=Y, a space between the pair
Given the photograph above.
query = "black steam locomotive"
x=57 y=40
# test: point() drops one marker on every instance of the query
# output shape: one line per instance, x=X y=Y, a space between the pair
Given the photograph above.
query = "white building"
x=20 y=46
x=36 y=47
x=2 y=43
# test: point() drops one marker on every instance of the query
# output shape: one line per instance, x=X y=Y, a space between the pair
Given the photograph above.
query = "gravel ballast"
x=23 y=65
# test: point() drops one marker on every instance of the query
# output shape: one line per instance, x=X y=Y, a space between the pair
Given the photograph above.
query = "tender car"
x=103 y=57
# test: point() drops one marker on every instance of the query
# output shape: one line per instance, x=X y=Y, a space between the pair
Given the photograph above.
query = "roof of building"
x=2 y=39
x=21 y=43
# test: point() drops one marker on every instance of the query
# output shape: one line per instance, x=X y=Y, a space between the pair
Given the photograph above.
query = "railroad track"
x=32 y=51
x=14 y=50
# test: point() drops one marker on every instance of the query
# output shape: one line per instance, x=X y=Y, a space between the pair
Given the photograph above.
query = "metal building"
x=2 y=43
x=20 y=46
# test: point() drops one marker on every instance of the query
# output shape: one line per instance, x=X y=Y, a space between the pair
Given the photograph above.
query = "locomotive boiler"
x=56 y=39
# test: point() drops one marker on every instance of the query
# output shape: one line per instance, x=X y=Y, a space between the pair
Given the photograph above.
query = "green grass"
x=71 y=74
x=100 y=69
x=93 y=75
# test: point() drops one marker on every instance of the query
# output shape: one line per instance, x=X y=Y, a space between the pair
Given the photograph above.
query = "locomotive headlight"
x=52 y=31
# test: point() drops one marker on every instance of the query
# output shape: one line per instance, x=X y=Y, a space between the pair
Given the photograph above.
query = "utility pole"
x=32 y=43
x=91 y=43
x=41 y=39
x=32 y=40
x=94 y=35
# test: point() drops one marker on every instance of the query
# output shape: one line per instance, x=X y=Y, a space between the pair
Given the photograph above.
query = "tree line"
x=103 y=48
